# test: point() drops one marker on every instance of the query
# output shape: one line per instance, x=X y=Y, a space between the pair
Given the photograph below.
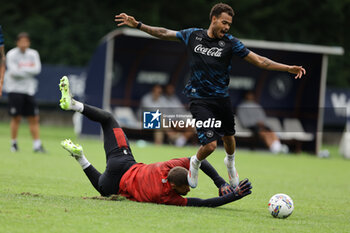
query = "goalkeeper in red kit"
x=161 y=183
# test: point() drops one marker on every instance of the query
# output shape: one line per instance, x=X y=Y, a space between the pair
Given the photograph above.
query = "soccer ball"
x=281 y=205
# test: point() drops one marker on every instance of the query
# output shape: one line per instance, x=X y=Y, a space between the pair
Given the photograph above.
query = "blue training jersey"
x=210 y=62
x=1 y=37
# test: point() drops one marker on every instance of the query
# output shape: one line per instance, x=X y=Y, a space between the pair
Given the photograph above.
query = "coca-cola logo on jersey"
x=212 y=52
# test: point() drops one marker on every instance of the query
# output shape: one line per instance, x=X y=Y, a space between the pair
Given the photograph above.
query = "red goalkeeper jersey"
x=148 y=183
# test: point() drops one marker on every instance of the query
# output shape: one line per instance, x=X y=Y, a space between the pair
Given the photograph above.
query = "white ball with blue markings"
x=281 y=205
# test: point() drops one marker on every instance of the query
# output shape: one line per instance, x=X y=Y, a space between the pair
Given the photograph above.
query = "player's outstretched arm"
x=159 y=32
x=268 y=64
x=243 y=189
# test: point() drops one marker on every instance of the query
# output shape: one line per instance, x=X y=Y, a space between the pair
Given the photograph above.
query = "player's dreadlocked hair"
x=178 y=176
x=219 y=8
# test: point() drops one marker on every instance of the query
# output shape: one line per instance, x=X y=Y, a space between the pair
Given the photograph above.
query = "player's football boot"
x=284 y=149
x=192 y=176
x=40 y=149
x=75 y=150
x=66 y=100
x=232 y=172
x=14 y=147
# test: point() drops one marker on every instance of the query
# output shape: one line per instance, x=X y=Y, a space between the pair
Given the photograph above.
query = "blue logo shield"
x=151 y=120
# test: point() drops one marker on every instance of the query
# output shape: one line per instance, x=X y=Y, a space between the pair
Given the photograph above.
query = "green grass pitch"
x=44 y=192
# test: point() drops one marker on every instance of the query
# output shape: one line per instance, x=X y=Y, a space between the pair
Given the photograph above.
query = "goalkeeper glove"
x=225 y=189
x=243 y=189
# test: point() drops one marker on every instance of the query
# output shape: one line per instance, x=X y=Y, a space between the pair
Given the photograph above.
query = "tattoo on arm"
x=272 y=65
x=159 y=32
x=266 y=62
x=156 y=31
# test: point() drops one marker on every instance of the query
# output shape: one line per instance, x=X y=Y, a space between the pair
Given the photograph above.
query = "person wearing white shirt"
x=180 y=136
x=23 y=64
x=252 y=116
x=151 y=102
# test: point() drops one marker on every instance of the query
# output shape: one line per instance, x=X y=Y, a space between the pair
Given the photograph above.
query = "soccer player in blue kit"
x=210 y=53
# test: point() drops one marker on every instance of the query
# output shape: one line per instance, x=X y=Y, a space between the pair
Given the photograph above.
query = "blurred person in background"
x=179 y=136
x=252 y=116
x=2 y=60
x=151 y=102
x=23 y=64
